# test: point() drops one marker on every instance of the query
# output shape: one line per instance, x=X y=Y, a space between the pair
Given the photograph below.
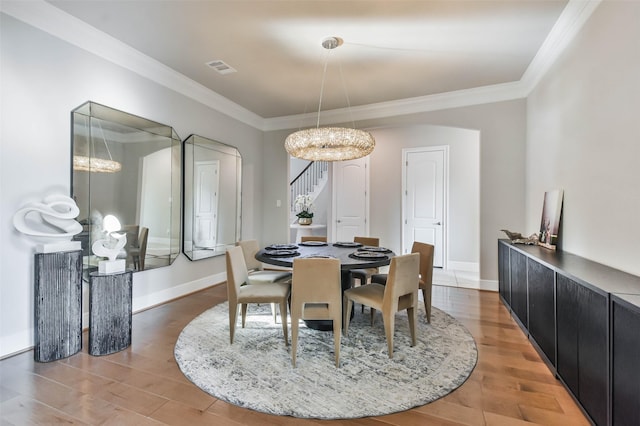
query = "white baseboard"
x=153 y=299
x=464 y=266
x=488 y=285
x=24 y=341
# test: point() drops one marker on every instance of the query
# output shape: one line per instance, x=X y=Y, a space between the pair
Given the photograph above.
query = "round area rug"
x=256 y=372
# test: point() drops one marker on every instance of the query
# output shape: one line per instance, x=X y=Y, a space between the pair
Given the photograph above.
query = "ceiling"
x=391 y=51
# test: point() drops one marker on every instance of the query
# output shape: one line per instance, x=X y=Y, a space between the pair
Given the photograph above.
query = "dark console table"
x=583 y=318
x=110 y=312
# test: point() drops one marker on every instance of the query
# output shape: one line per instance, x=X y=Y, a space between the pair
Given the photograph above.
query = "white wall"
x=464 y=185
x=502 y=132
x=584 y=137
x=43 y=79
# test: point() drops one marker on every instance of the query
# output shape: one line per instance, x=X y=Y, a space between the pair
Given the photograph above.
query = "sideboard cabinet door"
x=518 y=265
x=582 y=326
x=504 y=278
x=625 y=357
x=542 y=319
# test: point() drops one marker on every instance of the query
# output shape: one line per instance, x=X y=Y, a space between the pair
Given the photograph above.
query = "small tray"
x=349 y=244
x=367 y=255
x=281 y=247
x=282 y=253
x=375 y=249
x=313 y=243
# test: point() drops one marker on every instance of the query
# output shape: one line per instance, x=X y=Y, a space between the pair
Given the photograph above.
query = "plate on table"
x=375 y=249
x=316 y=256
x=347 y=244
x=369 y=255
x=313 y=243
x=281 y=253
x=281 y=247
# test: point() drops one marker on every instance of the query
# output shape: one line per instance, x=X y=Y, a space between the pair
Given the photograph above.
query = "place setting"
x=281 y=250
x=347 y=244
x=367 y=255
x=313 y=244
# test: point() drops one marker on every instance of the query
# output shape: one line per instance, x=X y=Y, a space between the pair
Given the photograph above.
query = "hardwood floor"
x=143 y=384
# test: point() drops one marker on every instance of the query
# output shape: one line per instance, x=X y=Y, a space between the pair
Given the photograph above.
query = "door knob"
x=438 y=223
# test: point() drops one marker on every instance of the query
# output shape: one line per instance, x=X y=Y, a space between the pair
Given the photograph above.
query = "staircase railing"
x=308 y=178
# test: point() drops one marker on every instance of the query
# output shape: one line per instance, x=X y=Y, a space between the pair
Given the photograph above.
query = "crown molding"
x=570 y=22
x=48 y=18
x=64 y=26
x=448 y=100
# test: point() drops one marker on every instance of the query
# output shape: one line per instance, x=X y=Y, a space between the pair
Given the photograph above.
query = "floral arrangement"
x=304 y=206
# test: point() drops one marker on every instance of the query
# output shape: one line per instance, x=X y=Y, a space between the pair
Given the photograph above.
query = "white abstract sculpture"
x=110 y=246
x=51 y=222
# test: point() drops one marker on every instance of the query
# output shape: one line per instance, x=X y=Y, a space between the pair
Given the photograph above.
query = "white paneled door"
x=350 y=199
x=206 y=203
x=425 y=193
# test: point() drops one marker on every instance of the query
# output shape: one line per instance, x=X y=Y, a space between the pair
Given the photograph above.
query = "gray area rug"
x=256 y=373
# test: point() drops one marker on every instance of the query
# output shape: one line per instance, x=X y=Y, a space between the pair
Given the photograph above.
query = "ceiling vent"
x=221 y=67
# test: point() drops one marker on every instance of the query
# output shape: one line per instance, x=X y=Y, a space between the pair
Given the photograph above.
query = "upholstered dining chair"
x=257 y=274
x=400 y=293
x=363 y=275
x=426 y=274
x=241 y=292
x=139 y=253
x=316 y=295
x=321 y=238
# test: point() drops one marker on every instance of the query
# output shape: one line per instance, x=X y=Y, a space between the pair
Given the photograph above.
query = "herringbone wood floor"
x=143 y=384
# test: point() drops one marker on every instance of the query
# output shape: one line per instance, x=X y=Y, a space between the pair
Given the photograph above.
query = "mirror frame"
x=221 y=213
x=84 y=182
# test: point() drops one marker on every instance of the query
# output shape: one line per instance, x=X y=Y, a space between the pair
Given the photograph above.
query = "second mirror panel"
x=212 y=184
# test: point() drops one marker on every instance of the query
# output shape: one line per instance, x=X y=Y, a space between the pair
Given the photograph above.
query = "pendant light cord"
x=324 y=75
x=104 y=139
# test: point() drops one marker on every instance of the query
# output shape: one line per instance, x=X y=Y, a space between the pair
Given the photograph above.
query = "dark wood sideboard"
x=583 y=318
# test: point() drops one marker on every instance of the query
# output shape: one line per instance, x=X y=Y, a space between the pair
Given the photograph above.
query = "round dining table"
x=351 y=255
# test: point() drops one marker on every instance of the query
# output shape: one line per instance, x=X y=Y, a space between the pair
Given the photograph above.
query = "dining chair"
x=139 y=253
x=400 y=293
x=363 y=275
x=426 y=274
x=257 y=274
x=241 y=292
x=316 y=295
x=321 y=238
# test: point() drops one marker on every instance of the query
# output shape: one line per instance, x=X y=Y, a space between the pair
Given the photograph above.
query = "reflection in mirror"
x=129 y=167
x=212 y=186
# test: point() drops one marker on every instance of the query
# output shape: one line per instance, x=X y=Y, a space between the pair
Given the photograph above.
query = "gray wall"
x=463 y=232
x=577 y=131
x=584 y=137
x=43 y=79
x=502 y=132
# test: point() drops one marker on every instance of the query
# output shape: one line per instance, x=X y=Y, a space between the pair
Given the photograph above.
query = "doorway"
x=425 y=199
x=350 y=199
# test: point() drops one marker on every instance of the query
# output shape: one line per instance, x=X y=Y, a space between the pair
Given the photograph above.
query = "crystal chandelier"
x=95 y=164
x=329 y=143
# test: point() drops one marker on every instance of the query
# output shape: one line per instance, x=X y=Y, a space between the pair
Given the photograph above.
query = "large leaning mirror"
x=128 y=167
x=212 y=186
